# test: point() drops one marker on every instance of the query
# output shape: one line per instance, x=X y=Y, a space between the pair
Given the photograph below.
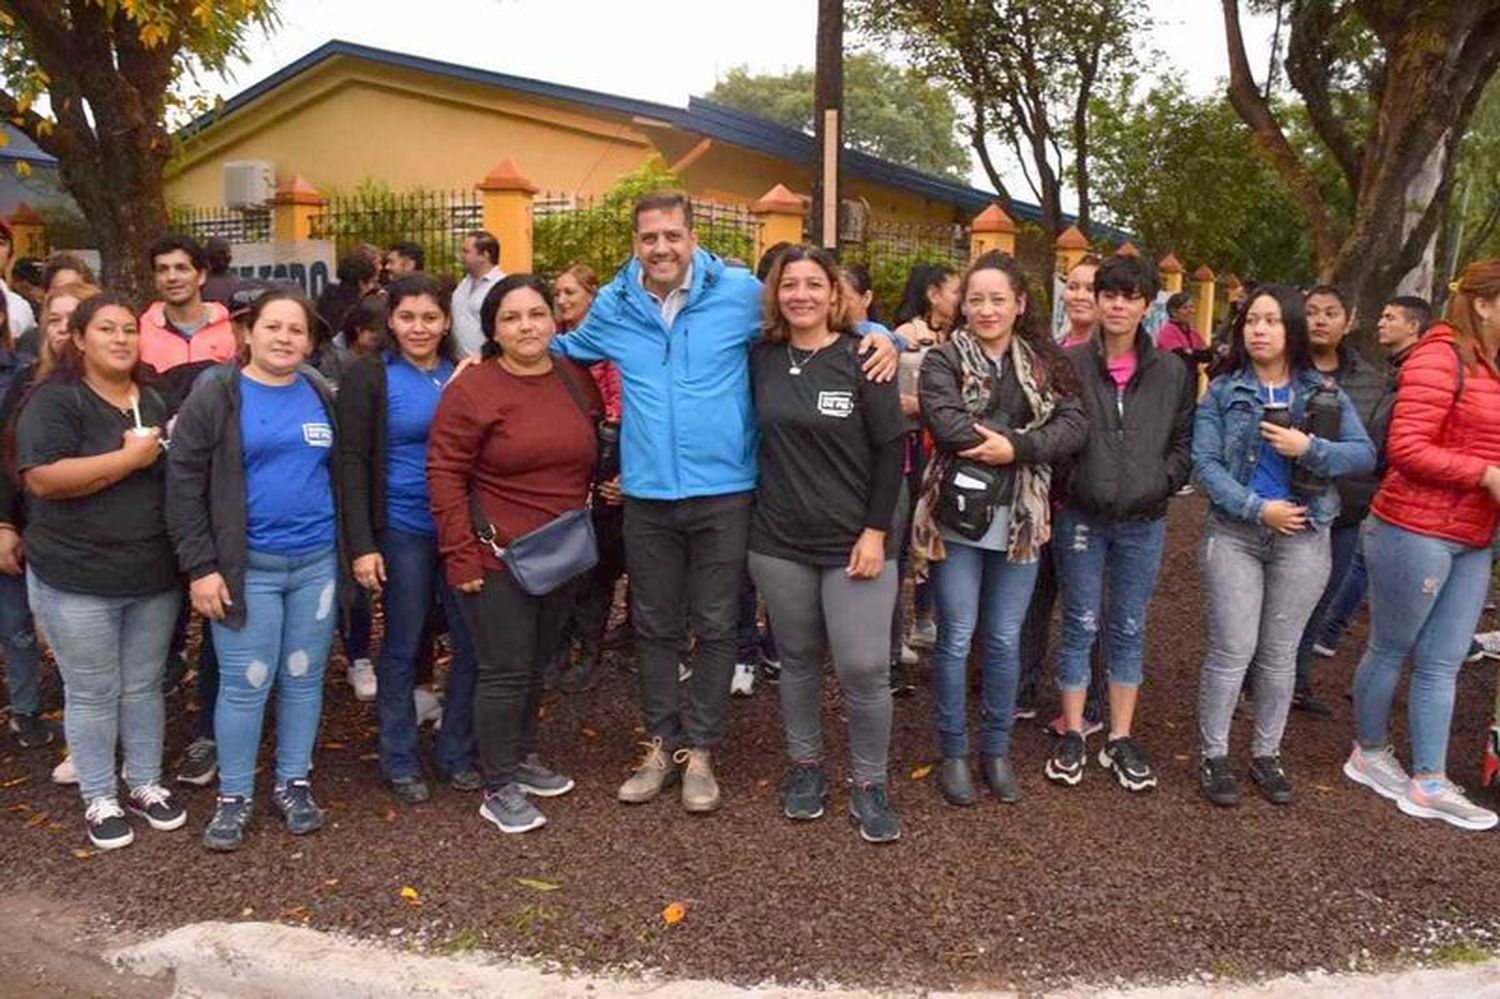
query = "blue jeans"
x=290 y=615
x=413 y=582
x=111 y=652
x=1341 y=609
x=1092 y=551
x=971 y=585
x=1343 y=542
x=18 y=641
x=1426 y=595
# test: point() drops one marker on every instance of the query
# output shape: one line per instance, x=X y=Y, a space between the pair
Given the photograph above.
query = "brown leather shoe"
x=700 y=792
x=654 y=773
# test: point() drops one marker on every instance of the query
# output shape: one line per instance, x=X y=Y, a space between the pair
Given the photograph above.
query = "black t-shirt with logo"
x=830 y=453
x=110 y=543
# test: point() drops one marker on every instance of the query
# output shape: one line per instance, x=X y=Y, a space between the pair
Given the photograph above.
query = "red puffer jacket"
x=1439 y=447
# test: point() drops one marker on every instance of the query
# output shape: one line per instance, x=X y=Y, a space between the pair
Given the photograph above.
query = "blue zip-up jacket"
x=1226 y=445
x=688 y=424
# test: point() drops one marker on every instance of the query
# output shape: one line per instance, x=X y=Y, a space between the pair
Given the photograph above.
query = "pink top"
x=1122 y=368
x=1174 y=337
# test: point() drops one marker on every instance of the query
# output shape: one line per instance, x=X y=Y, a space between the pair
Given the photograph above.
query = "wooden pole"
x=828 y=106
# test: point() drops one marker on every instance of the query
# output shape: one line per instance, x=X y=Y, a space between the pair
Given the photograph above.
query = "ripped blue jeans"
x=1097 y=556
x=291 y=608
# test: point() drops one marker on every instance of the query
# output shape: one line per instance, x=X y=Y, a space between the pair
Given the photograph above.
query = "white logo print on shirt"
x=317 y=434
x=839 y=404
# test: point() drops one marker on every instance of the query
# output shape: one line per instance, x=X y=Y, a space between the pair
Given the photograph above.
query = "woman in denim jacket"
x=1265 y=553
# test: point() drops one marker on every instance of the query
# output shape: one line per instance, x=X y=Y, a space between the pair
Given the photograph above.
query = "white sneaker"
x=1489 y=643
x=742 y=683
x=908 y=655
x=64 y=773
x=923 y=634
x=1322 y=651
x=1378 y=770
x=429 y=708
x=1443 y=799
x=362 y=679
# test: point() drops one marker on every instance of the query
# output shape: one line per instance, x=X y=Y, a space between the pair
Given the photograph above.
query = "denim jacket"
x=1226 y=445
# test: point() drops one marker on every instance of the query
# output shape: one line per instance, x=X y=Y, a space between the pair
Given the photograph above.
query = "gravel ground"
x=1082 y=885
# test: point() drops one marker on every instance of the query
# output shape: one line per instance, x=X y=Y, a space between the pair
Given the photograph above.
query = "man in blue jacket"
x=678 y=323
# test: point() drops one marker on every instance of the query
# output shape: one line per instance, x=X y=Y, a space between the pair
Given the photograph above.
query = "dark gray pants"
x=815 y=607
x=686 y=559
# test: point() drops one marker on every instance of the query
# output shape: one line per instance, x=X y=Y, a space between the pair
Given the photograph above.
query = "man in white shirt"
x=480 y=255
x=22 y=319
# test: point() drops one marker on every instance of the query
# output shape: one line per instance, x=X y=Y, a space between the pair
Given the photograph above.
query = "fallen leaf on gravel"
x=1180 y=757
x=541 y=712
x=83 y=854
x=537 y=884
x=589 y=733
x=410 y=895
x=390 y=815
x=368 y=757
x=19 y=806
x=332 y=745
x=672 y=914
x=763 y=783
x=36 y=820
x=247 y=912
x=921 y=773
x=52 y=715
x=1321 y=787
x=14 y=781
x=330 y=882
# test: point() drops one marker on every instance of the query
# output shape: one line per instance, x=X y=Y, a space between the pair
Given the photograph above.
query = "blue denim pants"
x=973 y=585
x=1340 y=612
x=1095 y=556
x=290 y=616
x=111 y=652
x=1426 y=595
x=413 y=584
x=18 y=642
x=1343 y=542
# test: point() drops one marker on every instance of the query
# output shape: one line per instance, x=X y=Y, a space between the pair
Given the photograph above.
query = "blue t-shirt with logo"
x=411 y=398
x=287 y=441
x=1272 y=479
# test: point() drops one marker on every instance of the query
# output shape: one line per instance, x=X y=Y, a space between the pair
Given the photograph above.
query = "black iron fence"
x=238 y=225
x=434 y=220
x=569 y=229
x=891 y=249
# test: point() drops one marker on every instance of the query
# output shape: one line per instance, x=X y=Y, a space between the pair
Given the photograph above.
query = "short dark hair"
x=662 y=201
x=30 y=270
x=1328 y=289
x=411 y=251
x=859 y=280
x=1129 y=276
x=354 y=268
x=486 y=243
x=219 y=254
x=919 y=280
x=1177 y=301
x=491 y=305
x=417 y=285
x=174 y=241
x=1417 y=309
x=1293 y=319
x=768 y=260
x=60 y=262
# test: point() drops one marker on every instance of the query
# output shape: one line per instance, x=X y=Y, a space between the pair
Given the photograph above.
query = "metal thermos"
x=609 y=451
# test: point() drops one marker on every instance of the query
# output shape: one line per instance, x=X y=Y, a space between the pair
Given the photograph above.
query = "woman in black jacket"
x=385 y=409
x=1000 y=401
x=251 y=501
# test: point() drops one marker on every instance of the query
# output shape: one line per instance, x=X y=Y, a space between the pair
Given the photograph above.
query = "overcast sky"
x=660 y=50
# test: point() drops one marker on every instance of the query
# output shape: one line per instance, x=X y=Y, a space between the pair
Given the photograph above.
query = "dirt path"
x=51 y=950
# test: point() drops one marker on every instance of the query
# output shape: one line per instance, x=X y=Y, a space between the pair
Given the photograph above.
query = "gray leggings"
x=812 y=607
x=1261 y=590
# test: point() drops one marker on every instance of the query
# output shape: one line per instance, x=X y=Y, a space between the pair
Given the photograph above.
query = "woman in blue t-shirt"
x=251 y=503
x=385 y=408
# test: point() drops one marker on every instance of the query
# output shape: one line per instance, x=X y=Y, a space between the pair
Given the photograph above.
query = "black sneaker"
x=1065 y=765
x=1128 y=763
x=106 y=823
x=1216 y=781
x=536 y=778
x=1310 y=705
x=510 y=810
x=871 y=812
x=156 y=805
x=31 y=731
x=226 y=830
x=1270 y=777
x=583 y=673
x=199 y=764
x=412 y=790
x=803 y=791
x=294 y=800
x=770 y=671
x=901 y=685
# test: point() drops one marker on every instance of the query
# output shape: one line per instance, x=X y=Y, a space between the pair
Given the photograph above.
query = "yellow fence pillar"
x=505 y=197
x=28 y=233
x=1169 y=270
x=292 y=209
x=1127 y=249
x=992 y=229
x=782 y=214
x=1203 y=290
x=1071 y=246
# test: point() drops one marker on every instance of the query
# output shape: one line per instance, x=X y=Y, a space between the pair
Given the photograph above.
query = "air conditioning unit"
x=248 y=183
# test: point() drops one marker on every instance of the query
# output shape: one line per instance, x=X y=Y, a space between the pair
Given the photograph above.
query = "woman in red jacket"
x=1427 y=549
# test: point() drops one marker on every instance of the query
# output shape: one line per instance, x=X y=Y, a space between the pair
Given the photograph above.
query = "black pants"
x=514 y=633
x=596 y=593
x=686 y=556
x=1035 y=635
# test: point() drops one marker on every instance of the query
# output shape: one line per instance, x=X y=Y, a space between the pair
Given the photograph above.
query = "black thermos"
x=1323 y=418
x=609 y=451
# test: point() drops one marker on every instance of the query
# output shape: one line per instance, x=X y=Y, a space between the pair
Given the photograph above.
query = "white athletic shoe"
x=64 y=773
x=742 y=684
x=362 y=679
x=1489 y=643
x=429 y=708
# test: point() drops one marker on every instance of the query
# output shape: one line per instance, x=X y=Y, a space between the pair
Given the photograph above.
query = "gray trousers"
x=1262 y=587
x=815 y=607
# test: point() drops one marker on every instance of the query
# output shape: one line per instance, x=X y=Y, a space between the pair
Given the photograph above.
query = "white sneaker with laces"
x=362 y=679
x=64 y=773
x=908 y=655
x=742 y=684
x=1378 y=770
x=1489 y=643
x=429 y=708
x=1443 y=799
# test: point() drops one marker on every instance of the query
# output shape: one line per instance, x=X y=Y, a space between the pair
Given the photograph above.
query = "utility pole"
x=828 y=109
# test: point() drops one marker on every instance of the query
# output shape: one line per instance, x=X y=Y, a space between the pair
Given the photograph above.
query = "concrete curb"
x=256 y=960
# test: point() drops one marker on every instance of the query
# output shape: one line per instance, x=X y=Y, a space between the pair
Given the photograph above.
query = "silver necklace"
x=797 y=365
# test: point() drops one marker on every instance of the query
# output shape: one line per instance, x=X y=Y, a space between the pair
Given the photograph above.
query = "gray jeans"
x=111 y=652
x=1262 y=587
x=806 y=603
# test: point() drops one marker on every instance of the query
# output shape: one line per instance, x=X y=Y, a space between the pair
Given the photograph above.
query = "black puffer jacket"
x=1137 y=458
x=1364 y=384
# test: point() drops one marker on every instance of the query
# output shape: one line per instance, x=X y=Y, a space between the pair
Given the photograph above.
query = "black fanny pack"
x=968 y=495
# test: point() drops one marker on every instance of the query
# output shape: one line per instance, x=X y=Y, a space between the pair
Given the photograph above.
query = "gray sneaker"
x=535 y=777
x=654 y=773
x=294 y=800
x=1378 y=770
x=803 y=792
x=1443 y=799
x=510 y=810
x=870 y=809
x=700 y=792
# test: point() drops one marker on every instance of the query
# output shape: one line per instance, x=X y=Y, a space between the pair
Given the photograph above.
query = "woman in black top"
x=821 y=549
x=99 y=566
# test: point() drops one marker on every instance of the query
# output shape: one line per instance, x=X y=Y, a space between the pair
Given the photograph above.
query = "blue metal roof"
x=18 y=146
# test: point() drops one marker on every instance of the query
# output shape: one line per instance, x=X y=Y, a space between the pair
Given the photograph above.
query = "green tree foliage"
x=894 y=113
x=1474 y=222
x=1183 y=173
x=94 y=83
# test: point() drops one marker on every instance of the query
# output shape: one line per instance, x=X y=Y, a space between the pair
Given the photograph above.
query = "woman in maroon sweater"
x=511 y=431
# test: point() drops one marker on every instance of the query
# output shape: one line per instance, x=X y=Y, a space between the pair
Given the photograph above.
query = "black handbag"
x=562 y=549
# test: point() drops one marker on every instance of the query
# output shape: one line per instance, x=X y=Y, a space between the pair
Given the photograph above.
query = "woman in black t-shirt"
x=99 y=567
x=821 y=549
